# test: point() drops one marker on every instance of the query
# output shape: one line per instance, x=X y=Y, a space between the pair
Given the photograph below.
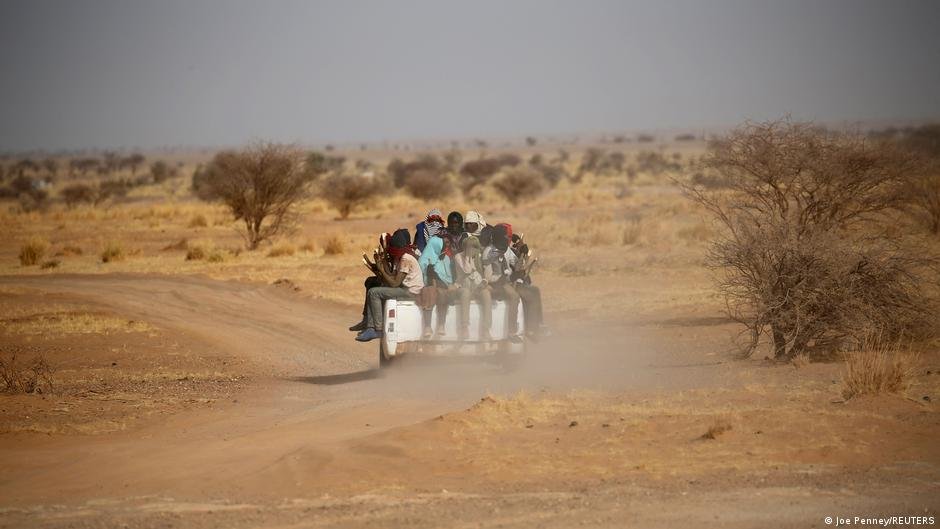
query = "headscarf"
x=506 y=228
x=500 y=240
x=399 y=244
x=433 y=224
x=474 y=217
x=431 y=257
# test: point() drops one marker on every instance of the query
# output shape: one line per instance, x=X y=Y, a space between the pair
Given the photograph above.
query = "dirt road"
x=322 y=438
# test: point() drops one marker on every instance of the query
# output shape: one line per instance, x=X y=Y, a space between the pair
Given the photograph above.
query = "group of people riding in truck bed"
x=455 y=262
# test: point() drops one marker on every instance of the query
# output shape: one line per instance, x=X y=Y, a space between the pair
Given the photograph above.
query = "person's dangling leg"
x=371 y=282
x=375 y=315
x=511 y=297
x=463 y=322
x=486 y=312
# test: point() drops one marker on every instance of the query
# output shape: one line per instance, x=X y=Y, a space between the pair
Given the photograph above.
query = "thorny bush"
x=804 y=256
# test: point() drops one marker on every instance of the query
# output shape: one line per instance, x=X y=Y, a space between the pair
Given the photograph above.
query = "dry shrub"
x=922 y=192
x=600 y=162
x=75 y=194
x=715 y=430
x=216 y=255
x=32 y=251
x=655 y=163
x=401 y=172
x=801 y=257
x=318 y=164
x=347 y=191
x=204 y=251
x=519 y=184
x=196 y=252
x=113 y=252
x=51 y=263
x=308 y=246
x=478 y=172
x=35 y=377
x=198 y=221
x=876 y=368
x=334 y=246
x=800 y=360
x=631 y=233
x=282 y=250
x=261 y=185
x=428 y=185
x=552 y=174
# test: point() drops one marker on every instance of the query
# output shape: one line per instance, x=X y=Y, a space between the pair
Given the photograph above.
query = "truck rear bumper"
x=404 y=324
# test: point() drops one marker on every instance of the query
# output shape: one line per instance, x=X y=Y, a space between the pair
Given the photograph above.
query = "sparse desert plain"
x=190 y=382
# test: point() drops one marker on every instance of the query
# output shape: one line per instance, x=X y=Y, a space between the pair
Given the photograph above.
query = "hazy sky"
x=125 y=73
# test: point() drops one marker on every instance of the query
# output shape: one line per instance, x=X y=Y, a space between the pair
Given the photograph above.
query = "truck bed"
x=404 y=325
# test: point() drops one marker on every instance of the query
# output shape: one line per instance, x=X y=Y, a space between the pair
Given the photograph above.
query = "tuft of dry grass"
x=334 y=246
x=877 y=368
x=207 y=251
x=35 y=377
x=51 y=263
x=715 y=430
x=59 y=322
x=198 y=221
x=216 y=255
x=282 y=250
x=308 y=246
x=32 y=251
x=113 y=252
x=631 y=233
x=800 y=360
x=196 y=252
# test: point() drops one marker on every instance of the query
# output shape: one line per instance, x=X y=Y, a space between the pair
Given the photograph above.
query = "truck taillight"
x=391 y=313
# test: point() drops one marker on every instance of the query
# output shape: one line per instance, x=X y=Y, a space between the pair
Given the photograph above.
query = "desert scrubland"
x=159 y=371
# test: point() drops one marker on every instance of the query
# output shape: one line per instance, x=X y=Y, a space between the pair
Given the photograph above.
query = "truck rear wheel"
x=384 y=360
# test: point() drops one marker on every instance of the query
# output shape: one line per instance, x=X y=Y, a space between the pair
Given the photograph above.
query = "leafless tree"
x=261 y=185
x=803 y=255
x=923 y=190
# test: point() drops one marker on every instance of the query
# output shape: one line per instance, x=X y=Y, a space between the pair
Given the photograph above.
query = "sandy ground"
x=198 y=402
x=197 y=393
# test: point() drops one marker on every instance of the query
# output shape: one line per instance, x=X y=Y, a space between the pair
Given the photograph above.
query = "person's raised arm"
x=391 y=279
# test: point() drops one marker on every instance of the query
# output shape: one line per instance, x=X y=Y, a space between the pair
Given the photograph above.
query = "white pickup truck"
x=403 y=328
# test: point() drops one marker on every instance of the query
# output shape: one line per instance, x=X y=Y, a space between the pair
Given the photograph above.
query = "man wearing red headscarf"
x=401 y=275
